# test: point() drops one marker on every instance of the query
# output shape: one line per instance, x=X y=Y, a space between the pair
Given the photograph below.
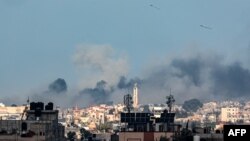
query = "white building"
x=11 y=113
x=157 y=111
x=230 y=114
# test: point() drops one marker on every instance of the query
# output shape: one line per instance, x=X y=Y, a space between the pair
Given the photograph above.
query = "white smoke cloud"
x=99 y=62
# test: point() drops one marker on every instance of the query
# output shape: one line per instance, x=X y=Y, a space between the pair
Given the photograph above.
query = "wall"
x=143 y=136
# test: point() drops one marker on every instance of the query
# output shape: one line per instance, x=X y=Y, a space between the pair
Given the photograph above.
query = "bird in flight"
x=151 y=5
x=206 y=27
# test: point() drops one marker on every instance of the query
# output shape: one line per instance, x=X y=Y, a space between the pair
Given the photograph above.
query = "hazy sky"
x=38 y=39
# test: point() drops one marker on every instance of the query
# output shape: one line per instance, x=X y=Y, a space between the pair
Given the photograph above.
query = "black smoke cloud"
x=58 y=86
x=226 y=81
x=203 y=77
x=231 y=81
x=124 y=84
x=190 y=68
x=104 y=93
x=199 y=76
x=100 y=93
x=56 y=92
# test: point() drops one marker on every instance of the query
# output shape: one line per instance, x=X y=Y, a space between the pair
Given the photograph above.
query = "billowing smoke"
x=100 y=93
x=124 y=84
x=99 y=69
x=203 y=76
x=200 y=76
x=58 y=86
x=189 y=68
x=231 y=81
x=99 y=62
x=56 y=92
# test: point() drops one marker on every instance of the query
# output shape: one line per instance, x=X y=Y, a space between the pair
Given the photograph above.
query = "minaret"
x=135 y=96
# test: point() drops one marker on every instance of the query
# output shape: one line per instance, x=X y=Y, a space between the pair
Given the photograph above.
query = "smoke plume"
x=124 y=84
x=58 y=86
x=203 y=76
x=100 y=93
x=99 y=62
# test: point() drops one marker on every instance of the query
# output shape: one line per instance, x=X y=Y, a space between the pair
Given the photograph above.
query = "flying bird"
x=206 y=27
x=151 y=5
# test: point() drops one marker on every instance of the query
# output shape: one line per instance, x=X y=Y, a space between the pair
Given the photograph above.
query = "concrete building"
x=41 y=125
x=157 y=110
x=230 y=114
x=146 y=127
x=11 y=113
x=144 y=136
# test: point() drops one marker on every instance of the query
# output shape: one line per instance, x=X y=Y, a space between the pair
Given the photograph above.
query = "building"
x=144 y=136
x=135 y=96
x=230 y=114
x=11 y=112
x=41 y=124
x=157 y=110
x=145 y=126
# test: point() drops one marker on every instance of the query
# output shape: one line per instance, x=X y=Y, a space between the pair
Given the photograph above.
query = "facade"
x=145 y=126
x=41 y=125
x=246 y=113
x=157 y=111
x=230 y=114
x=11 y=113
x=144 y=136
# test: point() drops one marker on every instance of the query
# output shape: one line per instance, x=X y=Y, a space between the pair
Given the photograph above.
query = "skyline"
x=43 y=41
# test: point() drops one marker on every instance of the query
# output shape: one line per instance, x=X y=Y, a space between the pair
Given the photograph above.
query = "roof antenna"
x=170 y=101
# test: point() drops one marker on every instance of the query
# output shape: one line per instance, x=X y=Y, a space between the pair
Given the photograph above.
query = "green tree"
x=71 y=136
x=105 y=126
x=85 y=133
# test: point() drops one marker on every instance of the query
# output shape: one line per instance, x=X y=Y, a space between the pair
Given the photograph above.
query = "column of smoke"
x=202 y=76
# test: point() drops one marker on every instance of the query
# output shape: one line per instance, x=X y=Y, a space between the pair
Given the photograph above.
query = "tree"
x=71 y=136
x=105 y=126
x=192 y=105
x=85 y=133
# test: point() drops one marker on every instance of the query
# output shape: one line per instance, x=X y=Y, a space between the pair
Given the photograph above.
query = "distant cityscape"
x=138 y=70
x=110 y=122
